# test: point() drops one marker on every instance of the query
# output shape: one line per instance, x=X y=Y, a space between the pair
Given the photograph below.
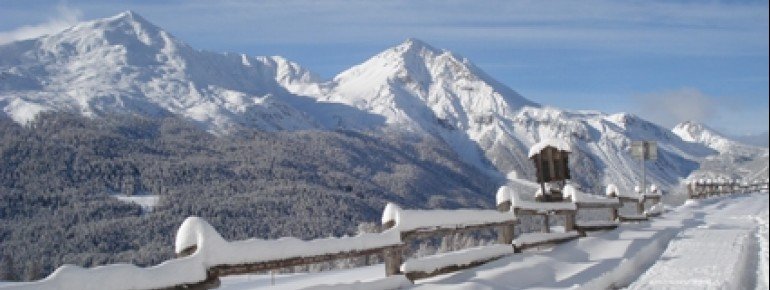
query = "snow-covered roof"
x=555 y=143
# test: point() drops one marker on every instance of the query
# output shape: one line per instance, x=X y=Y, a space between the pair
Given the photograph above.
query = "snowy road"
x=726 y=252
x=719 y=243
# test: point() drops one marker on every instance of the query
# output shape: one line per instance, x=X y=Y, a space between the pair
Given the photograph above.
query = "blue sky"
x=667 y=61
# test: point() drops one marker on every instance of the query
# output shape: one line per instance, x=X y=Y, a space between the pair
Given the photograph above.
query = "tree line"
x=60 y=172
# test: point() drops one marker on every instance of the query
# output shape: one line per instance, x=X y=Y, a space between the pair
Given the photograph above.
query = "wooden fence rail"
x=713 y=187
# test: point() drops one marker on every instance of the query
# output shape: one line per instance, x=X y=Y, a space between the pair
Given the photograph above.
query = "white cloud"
x=64 y=18
x=669 y=108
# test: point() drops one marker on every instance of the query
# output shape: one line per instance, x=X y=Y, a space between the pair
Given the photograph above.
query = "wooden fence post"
x=569 y=222
x=614 y=210
x=640 y=206
x=393 y=260
x=505 y=232
x=393 y=256
x=546 y=225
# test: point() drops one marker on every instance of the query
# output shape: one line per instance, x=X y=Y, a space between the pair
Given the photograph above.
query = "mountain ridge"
x=124 y=64
x=701 y=133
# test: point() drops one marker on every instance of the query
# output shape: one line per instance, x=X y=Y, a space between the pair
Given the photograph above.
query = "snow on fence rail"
x=204 y=255
x=702 y=188
x=416 y=224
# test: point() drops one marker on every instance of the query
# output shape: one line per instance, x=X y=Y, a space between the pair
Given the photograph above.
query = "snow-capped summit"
x=291 y=75
x=418 y=88
x=735 y=159
x=125 y=64
x=415 y=84
x=699 y=133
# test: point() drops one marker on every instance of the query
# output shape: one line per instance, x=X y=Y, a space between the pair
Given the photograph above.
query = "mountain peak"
x=690 y=130
x=699 y=133
x=128 y=14
x=127 y=28
x=126 y=18
x=416 y=45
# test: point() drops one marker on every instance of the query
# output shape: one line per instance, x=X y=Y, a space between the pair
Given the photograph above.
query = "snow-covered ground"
x=147 y=202
x=727 y=251
x=719 y=243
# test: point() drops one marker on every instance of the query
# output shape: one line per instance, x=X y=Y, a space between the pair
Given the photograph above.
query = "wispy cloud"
x=669 y=108
x=663 y=27
x=64 y=18
x=685 y=27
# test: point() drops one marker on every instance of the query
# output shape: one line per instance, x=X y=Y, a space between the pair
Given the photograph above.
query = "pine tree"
x=33 y=270
x=7 y=272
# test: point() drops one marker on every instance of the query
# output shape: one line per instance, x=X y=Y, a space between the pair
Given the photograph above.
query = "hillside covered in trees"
x=61 y=173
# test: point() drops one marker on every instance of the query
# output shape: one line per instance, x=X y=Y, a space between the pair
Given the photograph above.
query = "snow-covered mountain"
x=700 y=133
x=125 y=64
x=734 y=160
x=422 y=89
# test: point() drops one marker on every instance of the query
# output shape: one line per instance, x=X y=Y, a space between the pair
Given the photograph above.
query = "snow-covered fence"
x=702 y=188
x=204 y=256
x=418 y=224
x=588 y=201
x=637 y=199
x=196 y=238
x=520 y=207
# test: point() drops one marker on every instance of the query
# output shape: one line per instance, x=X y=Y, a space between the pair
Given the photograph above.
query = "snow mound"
x=121 y=276
x=537 y=238
x=147 y=202
x=195 y=232
x=387 y=283
x=503 y=195
x=655 y=210
x=390 y=213
x=570 y=192
x=459 y=258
